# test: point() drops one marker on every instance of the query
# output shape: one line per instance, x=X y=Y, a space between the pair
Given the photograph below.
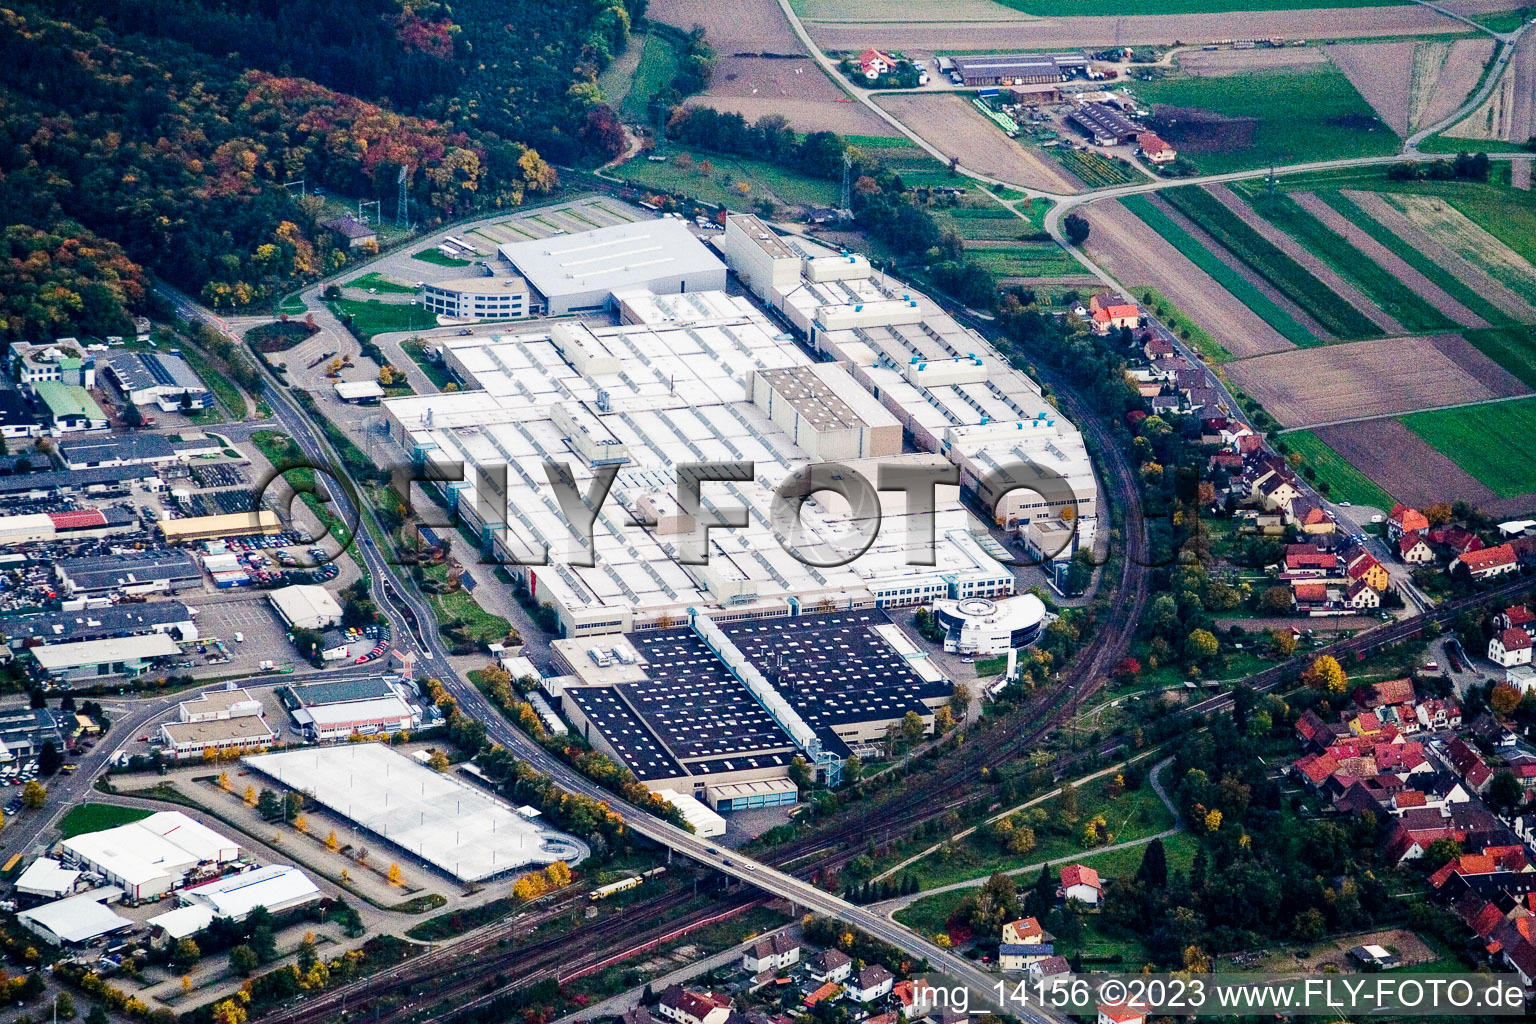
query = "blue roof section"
x=1016 y=949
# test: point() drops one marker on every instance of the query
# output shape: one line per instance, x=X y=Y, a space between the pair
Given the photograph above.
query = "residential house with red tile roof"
x=1412 y=549
x=1363 y=565
x=1403 y=519
x=1513 y=616
x=1082 y=884
x=1488 y=563
x=1439 y=714
x=1466 y=762
x=1390 y=691
x=1510 y=647
x=875 y=63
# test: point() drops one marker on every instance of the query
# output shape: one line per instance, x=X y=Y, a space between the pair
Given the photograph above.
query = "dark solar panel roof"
x=630 y=737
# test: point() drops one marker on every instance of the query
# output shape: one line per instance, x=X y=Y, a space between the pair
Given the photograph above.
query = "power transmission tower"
x=403 y=202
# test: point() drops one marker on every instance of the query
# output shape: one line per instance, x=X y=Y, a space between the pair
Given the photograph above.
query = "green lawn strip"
x=1505 y=213
x=380 y=283
x=1176 y=320
x=1287 y=117
x=460 y=606
x=929 y=914
x=1504 y=21
x=1231 y=280
x=1450 y=283
x=435 y=256
x=1491 y=441
x=1269 y=262
x=1510 y=347
x=1132 y=815
x=95 y=817
x=1373 y=280
x=1025 y=259
x=1447 y=145
x=658 y=64
x=434 y=370
x=717 y=182
x=372 y=316
x=292 y=305
x=1345 y=482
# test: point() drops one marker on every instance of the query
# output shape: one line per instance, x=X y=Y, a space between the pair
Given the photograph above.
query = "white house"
x=830 y=965
x=874 y=982
x=1082 y=884
x=1510 y=648
x=777 y=952
x=684 y=1007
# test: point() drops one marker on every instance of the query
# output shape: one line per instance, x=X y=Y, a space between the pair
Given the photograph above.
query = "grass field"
x=1269 y=262
x=436 y=257
x=375 y=317
x=1491 y=441
x=383 y=284
x=1025 y=259
x=990 y=223
x=1177 y=321
x=658 y=63
x=458 y=606
x=1499 y=252
x=713 y=178
x=1452 y=284
x=1222 y=274
x=1510 y=347
x=95 y=817
x=1345 y=482
x=1374 y=281
x=1247 y=121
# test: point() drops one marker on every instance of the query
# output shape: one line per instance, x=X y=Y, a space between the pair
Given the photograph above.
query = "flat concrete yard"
x=1383 y=377
x=1130 y=250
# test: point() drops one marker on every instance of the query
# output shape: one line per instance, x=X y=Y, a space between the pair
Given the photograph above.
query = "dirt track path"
x=1136 y=255
x=1389 y=260
x=1301 y=254
x=1411 y=234
x=1242 y=270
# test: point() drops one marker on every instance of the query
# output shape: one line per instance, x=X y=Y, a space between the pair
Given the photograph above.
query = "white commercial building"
x=477 y=298
x=306 y=606
x=153 y=856
x=336 y=710
x=954 y=393
x=677 y=383
x=706 y=823
x=277 y=887
x=218 y=720
x=360 y=391
x=451 y=825
x=47 y=877
x=76 y=919
x=978 y=625
x=92 y=659
x=582 y=271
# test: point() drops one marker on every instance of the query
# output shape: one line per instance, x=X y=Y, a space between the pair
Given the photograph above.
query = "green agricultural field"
x=1510 y=347
x=1222 y=274
x=1026 y=259
x=1375 y=282
x=990 y=223
x=1453 y=285
x=714 y=178
x=1491 y=441
x=1110 y=8
x=658 y=64
x=1345 y=482
x=1265 y=258
x=1247 y=121
x=95 y=817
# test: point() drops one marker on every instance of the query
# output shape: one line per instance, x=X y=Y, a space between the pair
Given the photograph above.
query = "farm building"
x=1038 y=95
x=78 y=919
x=457 y=828
x=352 y=232
x=582 y=271
x=305 y=606
x=1153 y=148
x=477 y=298
x=1018 y=68
x=1104 y=125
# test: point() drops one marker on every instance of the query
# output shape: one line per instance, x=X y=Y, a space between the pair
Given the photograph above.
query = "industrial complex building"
x=448 y=824
x=477 y=298
x=1017 y=68
x=978 y=625
x=157 y=378
x=154 y=856
x=305 y=606
x=337 y=710
x=218 y=721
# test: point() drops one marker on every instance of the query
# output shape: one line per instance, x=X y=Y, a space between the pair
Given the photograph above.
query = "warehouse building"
x=63 y=361
x=359 y=392
x=277 y=887
x=93 y=659
x=128 y=572
x=230 y=524
x=477 y=298
x=117 y=450
x=1104 y=125
x=305 y=606
x=92 y=483
x=706 y=823
x=450 y=825
x=1018 y=68
x=23 y=731
x=153 y=856
x=944 y=384
x=48 y=878
x=45 y=527
x=157 y=378
x=17 y=417
x=718 y=710
x=677 y=382
x=69 y=407
x=337 y=710
x=221 y=721
x=582 y=271
x=119 y=620
x=78 y=919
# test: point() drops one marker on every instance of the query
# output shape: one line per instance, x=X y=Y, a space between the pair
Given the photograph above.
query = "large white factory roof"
x=46 y=877
x=166 y=843
x=671 y=385
x=612 y=258
x=275 y=886
x=452 y=825
x=78 y=918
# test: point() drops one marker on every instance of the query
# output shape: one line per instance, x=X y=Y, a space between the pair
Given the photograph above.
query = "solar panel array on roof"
x=606 y=708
